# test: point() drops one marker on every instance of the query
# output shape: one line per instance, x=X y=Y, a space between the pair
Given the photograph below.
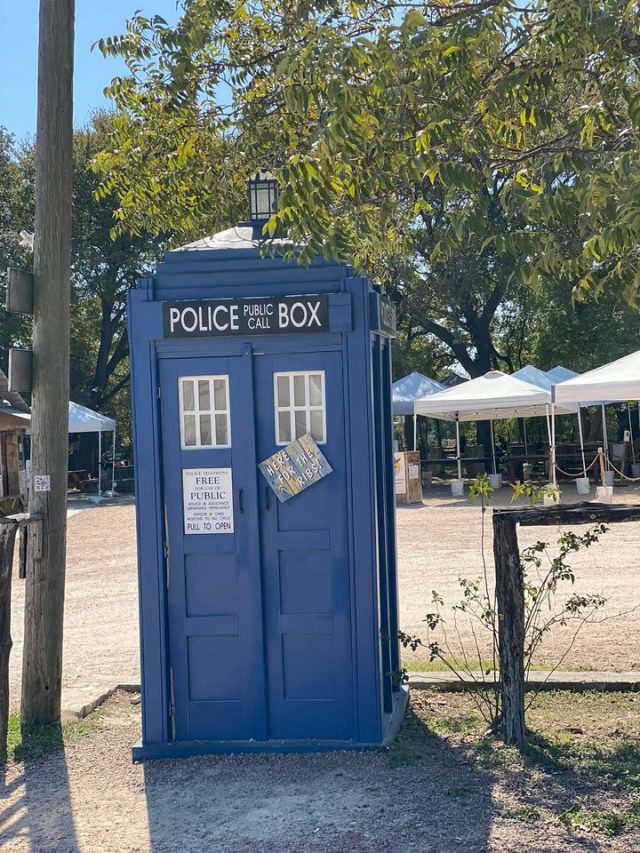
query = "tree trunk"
x=511 y=618
x=44 y=592
x=7 y=540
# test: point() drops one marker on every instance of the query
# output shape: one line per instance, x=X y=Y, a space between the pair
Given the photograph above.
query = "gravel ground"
x=430 y=795
x=92 y=798
x=101 y=604
x=440 y=541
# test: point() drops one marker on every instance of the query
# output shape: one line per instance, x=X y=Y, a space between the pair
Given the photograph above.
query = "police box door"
x=210 y=495
x=305 y=551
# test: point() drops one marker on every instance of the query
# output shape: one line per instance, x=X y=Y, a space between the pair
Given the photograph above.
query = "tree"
x=102 y=270
x=15 y=330
x=475 y=146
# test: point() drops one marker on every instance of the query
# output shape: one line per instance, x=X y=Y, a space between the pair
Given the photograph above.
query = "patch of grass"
x=525 y=814
x=461 y=724
x=421 y=665
x=30 y=743
x=594 y=820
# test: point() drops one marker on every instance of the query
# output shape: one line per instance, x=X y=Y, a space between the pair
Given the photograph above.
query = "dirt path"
x=440 y=541
x=101 y=606
x=432 y=795
x=437 y=542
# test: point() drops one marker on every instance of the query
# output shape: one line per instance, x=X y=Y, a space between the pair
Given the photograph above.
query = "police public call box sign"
x=204 y=318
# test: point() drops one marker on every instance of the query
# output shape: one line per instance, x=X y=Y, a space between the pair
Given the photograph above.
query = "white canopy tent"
x=494 y=396
x=547 y=380
x=560 y=374
x=82 y=419
x=409 y=389
x=616 y=382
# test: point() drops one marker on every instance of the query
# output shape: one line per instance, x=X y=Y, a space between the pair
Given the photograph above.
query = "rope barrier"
x=582 y=473
x=624 y=476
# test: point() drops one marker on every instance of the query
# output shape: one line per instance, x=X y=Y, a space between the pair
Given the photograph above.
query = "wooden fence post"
x=510 y=601
x=8 y=530
x=9 y=526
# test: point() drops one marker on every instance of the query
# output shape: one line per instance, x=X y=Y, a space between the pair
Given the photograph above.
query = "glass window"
x=299 y=405
x=204 y=412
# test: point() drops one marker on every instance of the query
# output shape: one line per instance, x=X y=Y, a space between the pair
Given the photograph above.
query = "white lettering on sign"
x=251 y=315
x=207 y=497
x=42 y=482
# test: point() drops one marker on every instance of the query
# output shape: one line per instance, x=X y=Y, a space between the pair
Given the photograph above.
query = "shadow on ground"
x=35 y=803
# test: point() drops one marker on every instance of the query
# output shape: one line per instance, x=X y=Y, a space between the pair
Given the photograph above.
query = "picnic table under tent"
x=82 y=419
x=494 y=396
x=547 y=380
x=409 y=389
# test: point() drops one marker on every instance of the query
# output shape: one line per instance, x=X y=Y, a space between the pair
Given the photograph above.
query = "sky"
x=95 y=19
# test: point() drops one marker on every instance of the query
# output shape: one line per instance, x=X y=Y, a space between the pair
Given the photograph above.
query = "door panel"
x=306 y=571
x=213 y=577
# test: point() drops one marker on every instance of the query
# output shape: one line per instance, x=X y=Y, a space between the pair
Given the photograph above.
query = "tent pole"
x=584 y=462
x=633 y=455
x=113 y=464
x=493 y=447
x=415 y=431
x=605 y=436
x=458 y=448
x=553 y=444
x=524 y=430
x=99 y=462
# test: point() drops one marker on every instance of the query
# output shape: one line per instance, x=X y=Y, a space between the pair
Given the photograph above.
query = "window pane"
x=298 y=390
x=283 y=392
x=189 y=430
x=204 y=395
x=315 y=389
x=301 y=423
x=221 y=430
x=205 y=430
x=284 y=427
x=187 y=395
x=317 y=430
x=220 y=394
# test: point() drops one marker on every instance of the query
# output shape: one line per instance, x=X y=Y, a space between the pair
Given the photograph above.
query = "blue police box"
x=268 y=615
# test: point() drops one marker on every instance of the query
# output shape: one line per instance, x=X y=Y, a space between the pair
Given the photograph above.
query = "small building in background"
x=15 y=419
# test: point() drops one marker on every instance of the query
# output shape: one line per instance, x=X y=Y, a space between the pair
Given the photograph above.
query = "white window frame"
x=212 y=411
x=292 y=408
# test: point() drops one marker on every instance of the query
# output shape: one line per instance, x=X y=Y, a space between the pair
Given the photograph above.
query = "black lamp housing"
x=263 y=196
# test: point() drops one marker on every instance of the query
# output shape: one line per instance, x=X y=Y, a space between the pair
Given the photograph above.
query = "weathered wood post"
x=9 y=526
x=511 y=620
x=44 y=591
x=8 y=530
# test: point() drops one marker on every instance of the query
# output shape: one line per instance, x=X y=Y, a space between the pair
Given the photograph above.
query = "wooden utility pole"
x=44 y=593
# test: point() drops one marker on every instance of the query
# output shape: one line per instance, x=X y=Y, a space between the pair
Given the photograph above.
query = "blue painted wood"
x=271 y=637
x=149 y=527
x=306 y=571
x=211 y=636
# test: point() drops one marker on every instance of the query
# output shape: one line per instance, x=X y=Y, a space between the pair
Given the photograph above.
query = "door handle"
x=241 y=499
x=267 y=498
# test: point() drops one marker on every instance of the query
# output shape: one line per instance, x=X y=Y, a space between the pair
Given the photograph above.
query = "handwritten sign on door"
x=294 y=468
x=207 y=496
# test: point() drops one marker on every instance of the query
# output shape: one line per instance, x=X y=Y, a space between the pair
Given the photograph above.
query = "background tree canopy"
x=103 y=268
x=459 y=151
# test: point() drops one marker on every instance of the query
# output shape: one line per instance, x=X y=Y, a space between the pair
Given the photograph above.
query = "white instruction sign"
x=42 y=482
x=207 y=496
